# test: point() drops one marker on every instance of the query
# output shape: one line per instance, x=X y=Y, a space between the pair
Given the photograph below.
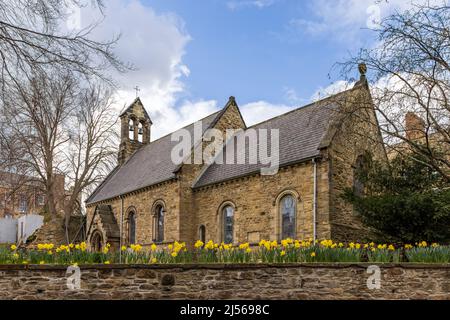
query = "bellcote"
x=135 y=130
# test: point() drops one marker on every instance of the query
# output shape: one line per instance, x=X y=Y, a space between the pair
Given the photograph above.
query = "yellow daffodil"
x=123 y=248
x=42 y=262
x=107 y=262
x=15 y=256
x=199 y=244
x=282 y=253
x=313 y=254
x=153 y=247
x=49 y=252
x=209 y=245
x=244 y=246
x=174 y=254
x=13 y=247
x=154 y=260
x=391 y=247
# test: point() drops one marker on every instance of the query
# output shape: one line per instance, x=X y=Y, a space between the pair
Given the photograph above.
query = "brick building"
x=22 y=194
x=149 y=199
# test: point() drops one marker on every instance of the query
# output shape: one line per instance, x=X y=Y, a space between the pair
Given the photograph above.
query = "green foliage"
x=432 y=254
x=405 y=202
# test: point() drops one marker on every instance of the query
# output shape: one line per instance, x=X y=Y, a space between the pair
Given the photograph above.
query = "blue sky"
x=272 y=55
x=253 y=52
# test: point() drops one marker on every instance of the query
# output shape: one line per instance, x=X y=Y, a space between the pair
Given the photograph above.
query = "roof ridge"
x=190 y=124
x=304 y=106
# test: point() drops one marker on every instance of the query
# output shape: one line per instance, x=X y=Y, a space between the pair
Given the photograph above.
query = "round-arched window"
x=288 y=211
x=202 y=233
x=159 y=223
x=131 y=228
x=228 y=224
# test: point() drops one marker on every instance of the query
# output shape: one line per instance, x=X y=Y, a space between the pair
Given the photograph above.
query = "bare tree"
x=91 y=151
x=59 y=127
x=410 y=73
x=37 y=114
x=31 y=40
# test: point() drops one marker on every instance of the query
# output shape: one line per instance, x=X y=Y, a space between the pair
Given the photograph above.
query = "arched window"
x=288 y=212
x=140 y=132
x=202 y=233
x=131 y=228
x=228 y=224
x=158 y=223
x=131 y=129
x=97 y=241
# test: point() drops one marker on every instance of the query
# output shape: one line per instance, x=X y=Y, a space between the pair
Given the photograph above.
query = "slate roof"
x=149 y=165
x=302 y=133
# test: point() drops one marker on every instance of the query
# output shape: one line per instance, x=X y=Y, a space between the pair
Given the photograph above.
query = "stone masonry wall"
x=294 y=282
x=256 y=204
x=142 y=204
x=357 y=135
x=189 y=227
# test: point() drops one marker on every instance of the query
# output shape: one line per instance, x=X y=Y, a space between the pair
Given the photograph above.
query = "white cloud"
x=155 y=44
x=334 y=88
x=344 y=19
x=238 y=4
x=259 y=111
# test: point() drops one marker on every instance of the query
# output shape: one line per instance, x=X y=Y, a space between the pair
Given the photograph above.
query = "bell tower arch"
x=135 y=130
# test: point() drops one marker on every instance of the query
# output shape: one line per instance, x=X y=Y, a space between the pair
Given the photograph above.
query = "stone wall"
x=305 y=281
x=189 y=225
x=256 y=203
x=142 y=204
x=357 y=134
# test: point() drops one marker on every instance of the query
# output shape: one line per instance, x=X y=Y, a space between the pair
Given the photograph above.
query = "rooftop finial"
x=362 y=69
x=137 y=89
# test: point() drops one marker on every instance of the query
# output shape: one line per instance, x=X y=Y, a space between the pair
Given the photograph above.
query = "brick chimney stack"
x=414 y=126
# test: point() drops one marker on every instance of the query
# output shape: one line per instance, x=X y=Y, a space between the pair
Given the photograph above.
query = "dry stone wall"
x=256 y=281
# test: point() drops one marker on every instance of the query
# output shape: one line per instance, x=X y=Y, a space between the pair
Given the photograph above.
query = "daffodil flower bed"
x=286 y=251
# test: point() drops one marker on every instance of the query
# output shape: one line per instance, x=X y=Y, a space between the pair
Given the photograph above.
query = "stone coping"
x=229 y=266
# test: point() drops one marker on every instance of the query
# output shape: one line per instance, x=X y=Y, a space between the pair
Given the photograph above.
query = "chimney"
x=414 y=126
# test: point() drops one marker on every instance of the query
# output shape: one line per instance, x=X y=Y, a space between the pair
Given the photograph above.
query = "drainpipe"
x=121 y=229
x=314 y=200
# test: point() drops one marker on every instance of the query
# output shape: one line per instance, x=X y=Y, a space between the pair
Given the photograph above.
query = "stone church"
x=149 y=199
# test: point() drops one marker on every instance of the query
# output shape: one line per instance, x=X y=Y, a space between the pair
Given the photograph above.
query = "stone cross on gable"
x=137 y=90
